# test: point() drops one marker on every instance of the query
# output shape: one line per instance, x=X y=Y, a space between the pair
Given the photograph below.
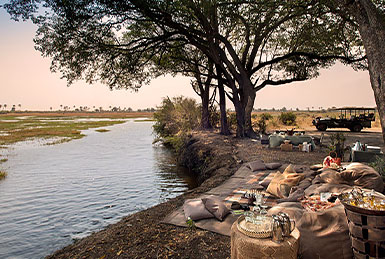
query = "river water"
x=56 y=194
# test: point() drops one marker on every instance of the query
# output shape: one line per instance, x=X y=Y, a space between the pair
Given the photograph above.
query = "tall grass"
x=3 y=174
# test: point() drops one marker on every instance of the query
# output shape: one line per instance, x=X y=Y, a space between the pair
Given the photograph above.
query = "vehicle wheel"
x=356 y=128
x=322 y=127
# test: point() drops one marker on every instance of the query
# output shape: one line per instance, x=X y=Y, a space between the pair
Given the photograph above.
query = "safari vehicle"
x=352 y=118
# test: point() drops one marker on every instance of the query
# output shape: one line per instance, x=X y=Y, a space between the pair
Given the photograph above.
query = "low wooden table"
x=244 y=247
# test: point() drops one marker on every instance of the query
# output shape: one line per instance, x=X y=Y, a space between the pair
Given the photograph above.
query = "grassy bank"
x=61 y=127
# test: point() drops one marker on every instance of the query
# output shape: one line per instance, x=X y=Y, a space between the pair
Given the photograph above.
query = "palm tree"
x=19 y=106
x=5 y=106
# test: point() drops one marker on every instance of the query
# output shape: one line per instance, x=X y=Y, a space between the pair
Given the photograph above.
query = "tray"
x=251 y=230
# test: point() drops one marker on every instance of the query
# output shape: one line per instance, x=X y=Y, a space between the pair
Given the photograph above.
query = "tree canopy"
x=253 y=43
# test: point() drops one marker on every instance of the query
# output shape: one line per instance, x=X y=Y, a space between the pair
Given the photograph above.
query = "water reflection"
x=55 y=194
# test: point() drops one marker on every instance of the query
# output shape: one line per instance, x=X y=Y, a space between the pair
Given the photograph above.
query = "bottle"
x=357 y=146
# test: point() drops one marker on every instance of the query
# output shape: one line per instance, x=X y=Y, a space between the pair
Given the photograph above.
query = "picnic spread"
x=306 y=196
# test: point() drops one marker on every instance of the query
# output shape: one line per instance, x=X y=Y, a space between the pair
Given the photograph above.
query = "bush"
x=175 y=118
x=214 y=116
x=379 y=166
x=287 y=118
x=261 y=123
x=232 y=119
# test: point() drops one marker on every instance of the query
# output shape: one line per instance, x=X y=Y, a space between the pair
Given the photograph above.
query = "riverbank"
x=141 y=235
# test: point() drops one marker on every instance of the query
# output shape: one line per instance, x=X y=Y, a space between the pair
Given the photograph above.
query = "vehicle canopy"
x=351 y=112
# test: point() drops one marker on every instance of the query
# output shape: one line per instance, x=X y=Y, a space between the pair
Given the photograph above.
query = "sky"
x=25 y=79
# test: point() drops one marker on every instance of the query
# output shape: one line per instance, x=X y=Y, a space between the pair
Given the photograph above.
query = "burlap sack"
x=324 y=234
x=281 y=184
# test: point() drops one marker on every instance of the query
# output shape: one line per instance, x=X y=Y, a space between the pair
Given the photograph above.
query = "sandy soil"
x=141 y=235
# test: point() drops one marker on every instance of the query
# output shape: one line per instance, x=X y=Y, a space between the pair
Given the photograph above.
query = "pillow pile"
x=205 y=208
x=259 y=165
x=281 y=184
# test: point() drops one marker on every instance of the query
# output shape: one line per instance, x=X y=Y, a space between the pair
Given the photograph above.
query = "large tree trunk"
x=205 y=97
x=222 y=104
x=249 y=100
x=372 y=30
x=240 y=113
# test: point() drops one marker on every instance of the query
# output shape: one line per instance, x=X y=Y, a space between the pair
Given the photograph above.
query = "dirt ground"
x=141 y=235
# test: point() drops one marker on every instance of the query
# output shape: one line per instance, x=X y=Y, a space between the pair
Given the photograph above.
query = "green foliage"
x=215 y=116
x=3 y=160
x=261 y=123
x=288 y=118
x=337 y=144
x=190 y=223
x=47 y=127
x=102 y=130
x=232 y=119
x=379 y=166
x=174 y=119
x=3 y=174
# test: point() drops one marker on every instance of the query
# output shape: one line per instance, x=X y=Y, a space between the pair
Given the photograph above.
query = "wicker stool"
x=244 y=247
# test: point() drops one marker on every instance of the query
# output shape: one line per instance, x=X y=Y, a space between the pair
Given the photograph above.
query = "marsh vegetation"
x=55 y=127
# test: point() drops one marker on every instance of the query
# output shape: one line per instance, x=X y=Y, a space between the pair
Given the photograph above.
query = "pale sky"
x=25 y=79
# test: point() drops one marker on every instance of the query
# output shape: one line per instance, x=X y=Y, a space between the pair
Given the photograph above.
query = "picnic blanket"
x=229 y=191
x=324 y=234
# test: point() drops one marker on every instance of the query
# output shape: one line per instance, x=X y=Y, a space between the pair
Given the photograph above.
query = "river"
x=55 y=194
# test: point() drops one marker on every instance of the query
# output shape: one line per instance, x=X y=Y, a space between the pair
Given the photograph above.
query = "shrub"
x=337 y=144
x=379 y=166
x=287 y=118
x=214 y=116
x=175 y=118
x=232 y=119
x=261 y=123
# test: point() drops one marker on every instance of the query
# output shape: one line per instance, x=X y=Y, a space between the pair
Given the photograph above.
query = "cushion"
x=216 y=206
x=257 y=165
x=265 y=183
x=277 y=187
x=289 y=169
x=273 y=166
x=196 y=210
x=316 y=167
x=358 y=174
x=281 y=184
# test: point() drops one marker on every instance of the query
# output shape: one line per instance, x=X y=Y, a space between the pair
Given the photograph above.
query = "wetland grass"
x=3 y=174
x=31 y=127
x=102 y=130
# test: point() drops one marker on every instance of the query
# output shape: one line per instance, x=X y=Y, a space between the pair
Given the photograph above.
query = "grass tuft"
x=102 y=130
x=3 y=160
x=3 y=174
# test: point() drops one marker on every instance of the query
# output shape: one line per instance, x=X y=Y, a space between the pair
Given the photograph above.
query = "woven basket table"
x=246 y=247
